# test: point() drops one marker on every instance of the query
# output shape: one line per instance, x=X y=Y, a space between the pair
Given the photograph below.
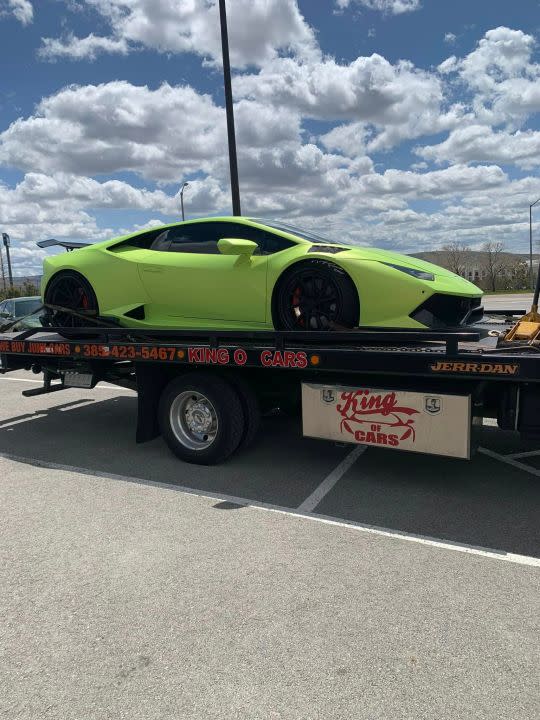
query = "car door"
x=186 y=276
x=7 y=309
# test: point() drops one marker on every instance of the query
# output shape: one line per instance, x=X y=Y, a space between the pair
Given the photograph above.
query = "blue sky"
x=407 y=124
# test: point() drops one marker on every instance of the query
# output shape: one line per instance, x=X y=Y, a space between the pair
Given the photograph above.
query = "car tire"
x=71 y=290
x=315 y=295
x=201 y=418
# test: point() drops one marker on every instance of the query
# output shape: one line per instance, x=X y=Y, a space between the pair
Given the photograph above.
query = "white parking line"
x=359 y=527
x=311 y=502
x=27 y=418
x=529 y=453
x=509 y=461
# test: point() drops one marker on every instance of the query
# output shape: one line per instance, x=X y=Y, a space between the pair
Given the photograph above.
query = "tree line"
x=27 y=289
x=491 y=268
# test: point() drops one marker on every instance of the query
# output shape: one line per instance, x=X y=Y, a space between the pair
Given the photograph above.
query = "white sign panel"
x=418 y=422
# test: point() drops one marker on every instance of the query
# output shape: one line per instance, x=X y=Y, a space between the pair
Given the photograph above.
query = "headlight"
x=419 y=274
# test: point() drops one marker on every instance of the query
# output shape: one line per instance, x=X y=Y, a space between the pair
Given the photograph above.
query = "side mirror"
x=236 y=246
x=4 y=315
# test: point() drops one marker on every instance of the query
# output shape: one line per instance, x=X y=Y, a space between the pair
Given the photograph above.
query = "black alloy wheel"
x=316 y=296
x=71 y=291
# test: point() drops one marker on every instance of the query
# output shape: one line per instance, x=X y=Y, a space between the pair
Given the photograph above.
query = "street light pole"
x=7 y=243
x=233 y=161
x=531 y=242
x=184 y=186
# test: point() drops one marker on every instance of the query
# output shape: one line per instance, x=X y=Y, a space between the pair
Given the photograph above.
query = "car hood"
x=387 y=256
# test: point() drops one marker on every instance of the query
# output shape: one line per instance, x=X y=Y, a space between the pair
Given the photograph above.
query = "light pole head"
x=6 y=239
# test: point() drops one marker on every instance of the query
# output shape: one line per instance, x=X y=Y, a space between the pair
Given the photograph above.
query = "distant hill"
x=32 y=279
x=475 y=256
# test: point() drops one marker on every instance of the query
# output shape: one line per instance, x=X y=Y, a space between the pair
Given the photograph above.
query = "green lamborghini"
x=242 y=273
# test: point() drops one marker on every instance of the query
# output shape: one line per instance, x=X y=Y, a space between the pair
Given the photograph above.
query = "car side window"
x=200 y=238
x=267 y=242
x=9 y=307
x=145 y=240
x=162 y=242
x=276 y=243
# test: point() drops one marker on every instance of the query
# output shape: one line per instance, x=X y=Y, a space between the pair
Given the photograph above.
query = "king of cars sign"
x=389 y=418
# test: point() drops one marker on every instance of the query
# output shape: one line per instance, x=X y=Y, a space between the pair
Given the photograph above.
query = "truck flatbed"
x=275 y=367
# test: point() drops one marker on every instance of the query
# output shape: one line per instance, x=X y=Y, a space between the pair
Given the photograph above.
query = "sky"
x=401 y=124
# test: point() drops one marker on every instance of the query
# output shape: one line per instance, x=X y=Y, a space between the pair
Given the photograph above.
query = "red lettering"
x=289 y=358
x=266 y=358
x=381 y=439
x=223 y=356
x=278 y=360
x=301 y=360
x=194 y=355
x=393 y=440
x=240 y=357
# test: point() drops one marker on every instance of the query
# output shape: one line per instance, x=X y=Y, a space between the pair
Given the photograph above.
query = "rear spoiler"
x=69 y=246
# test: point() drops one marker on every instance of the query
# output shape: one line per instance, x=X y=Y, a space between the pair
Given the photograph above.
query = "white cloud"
x=450 y=38
x=21 y=9
x=478 y=143
x=170 y=133
x=451 y=181
x=400 y=100
x=502 y=75
x=394 y=7
x=258 y=30
x=161 y=134
x=78 y=48
x=349 y=139
x=369 y=88
x=501 y=54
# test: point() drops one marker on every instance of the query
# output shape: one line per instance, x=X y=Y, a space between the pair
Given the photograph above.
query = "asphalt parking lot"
x=299 y=580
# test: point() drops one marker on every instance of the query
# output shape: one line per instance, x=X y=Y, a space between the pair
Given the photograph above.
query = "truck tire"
x=251 y=408
x=201 y=418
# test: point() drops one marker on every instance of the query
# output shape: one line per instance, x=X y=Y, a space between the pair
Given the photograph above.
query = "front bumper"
x=443 y=311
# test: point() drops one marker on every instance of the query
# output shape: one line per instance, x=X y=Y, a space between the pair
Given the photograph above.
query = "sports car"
x=243 y=273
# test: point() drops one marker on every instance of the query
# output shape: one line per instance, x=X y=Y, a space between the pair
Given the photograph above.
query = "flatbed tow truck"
x=205 y=391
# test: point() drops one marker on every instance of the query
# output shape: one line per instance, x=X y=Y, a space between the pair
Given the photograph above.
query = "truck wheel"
x=201 y=418
x=251 y=408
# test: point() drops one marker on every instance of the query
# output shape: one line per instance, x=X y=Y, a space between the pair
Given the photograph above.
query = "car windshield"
x=300 y=232
x=26 y=307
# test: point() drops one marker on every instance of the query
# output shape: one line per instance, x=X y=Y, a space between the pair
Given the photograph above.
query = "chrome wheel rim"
x=194 y=420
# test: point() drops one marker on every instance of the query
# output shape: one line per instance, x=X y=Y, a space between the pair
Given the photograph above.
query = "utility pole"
x=2 y=272
x=233 y=161
x=7 y=243
x=531 y=244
